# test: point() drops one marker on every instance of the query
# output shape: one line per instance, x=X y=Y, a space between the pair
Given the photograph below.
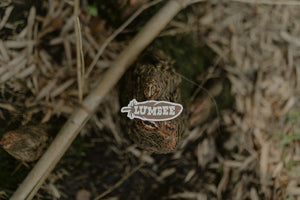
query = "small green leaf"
x=93 y=10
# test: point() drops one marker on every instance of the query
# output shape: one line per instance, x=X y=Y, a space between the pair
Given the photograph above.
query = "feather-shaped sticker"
x=152 y=110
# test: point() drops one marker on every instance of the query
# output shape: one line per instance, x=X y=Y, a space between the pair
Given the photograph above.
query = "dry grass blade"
x=6 y=16
x=8 y=107
x=79 y=52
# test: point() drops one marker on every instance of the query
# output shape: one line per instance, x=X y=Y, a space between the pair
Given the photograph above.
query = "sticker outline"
x=133 y=102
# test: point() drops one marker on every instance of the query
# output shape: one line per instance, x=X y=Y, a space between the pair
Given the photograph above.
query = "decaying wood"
x=81 y=115
x=154 y=78
x=26 y=144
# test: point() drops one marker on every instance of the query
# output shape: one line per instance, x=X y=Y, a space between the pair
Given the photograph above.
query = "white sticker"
x=152 y=110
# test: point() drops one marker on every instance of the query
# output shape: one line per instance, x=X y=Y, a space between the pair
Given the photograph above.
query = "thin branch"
x=117 y=184
x=117 y=32
x=81 y=115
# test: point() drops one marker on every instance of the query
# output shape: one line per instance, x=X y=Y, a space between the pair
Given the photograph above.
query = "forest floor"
x=250 y=149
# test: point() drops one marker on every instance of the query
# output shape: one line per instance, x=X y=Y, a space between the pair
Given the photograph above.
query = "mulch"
x=255 y=152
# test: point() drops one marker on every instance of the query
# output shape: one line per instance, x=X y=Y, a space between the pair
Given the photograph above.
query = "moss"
x=111 y=11
x=225 y=100
x=189 y=59
x=78 y=149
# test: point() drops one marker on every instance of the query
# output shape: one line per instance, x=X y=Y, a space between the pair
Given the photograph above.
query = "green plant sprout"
x=93 y=10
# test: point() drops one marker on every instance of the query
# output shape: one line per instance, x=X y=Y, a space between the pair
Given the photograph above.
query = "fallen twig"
x=117 y=184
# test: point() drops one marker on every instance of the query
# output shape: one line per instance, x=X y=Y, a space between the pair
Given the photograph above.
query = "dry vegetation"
x=254 y=155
